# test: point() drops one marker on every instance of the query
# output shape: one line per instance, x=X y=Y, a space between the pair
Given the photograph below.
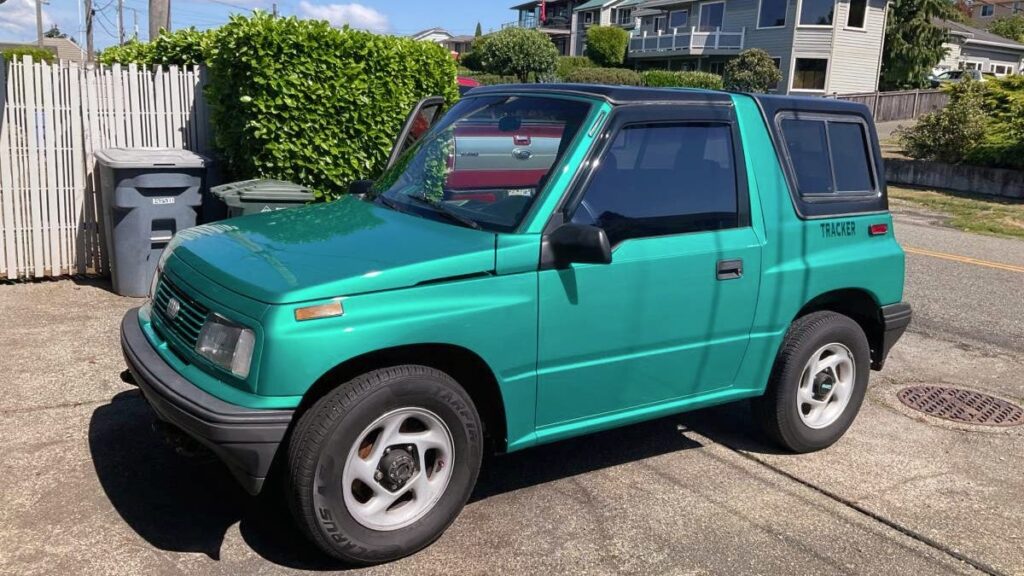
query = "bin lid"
x=151 y=158
x=264 y=189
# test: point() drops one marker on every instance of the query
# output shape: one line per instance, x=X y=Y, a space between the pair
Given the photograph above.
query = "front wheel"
x=383 y=464
x=817 y=383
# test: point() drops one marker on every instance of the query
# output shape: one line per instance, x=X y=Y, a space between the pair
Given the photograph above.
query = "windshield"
x=485 y=162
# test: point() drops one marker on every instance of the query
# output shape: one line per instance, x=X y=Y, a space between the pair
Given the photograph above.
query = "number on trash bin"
x=168 y=200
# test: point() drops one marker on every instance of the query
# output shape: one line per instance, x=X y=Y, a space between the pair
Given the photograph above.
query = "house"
x=982 y=12
x=821 y=46
x=459 y=44
x=437 y=35
x=971 y=48
x=62 y=48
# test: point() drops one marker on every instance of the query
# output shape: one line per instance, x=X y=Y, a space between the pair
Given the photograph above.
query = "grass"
x=969 y=212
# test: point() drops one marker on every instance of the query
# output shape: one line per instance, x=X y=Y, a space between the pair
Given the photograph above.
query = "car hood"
x=328 y=250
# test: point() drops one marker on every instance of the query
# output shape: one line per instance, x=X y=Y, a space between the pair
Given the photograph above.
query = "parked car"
x=466 y=84
x=665 y=251
x=951 y=76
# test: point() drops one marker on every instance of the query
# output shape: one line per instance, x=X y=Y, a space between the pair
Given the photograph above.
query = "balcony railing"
x=691 y=40
x=554 y=21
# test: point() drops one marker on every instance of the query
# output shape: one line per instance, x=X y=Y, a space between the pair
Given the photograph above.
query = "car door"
x=417 y=124
x=670 y=316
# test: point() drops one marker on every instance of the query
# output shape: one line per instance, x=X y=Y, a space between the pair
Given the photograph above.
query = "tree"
x=1011 y=27
x=913 y=45
x=479 y=31
x=752 y=71
x=606 y=45
x=54 y=32
x=518 y=52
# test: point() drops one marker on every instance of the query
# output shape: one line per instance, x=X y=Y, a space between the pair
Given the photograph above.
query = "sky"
x=402 y=17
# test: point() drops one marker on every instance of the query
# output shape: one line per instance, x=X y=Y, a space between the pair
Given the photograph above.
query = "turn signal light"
x=878 y=229
x=319 y=311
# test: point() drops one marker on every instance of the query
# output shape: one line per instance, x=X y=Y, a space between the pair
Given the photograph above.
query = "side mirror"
x=579 y=243
x=360 y=188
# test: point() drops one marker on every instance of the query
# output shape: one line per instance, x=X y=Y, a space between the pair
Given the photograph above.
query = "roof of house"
x=424 y=33
x=462 y=38
x=534 y=4
x=973 y=35
x=64 y=48
x=592 y=5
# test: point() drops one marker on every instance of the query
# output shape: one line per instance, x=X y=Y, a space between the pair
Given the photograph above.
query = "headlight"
x=226 y=344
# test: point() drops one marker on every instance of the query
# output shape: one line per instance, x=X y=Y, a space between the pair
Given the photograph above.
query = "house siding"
x=855 y=62
x=988 y=56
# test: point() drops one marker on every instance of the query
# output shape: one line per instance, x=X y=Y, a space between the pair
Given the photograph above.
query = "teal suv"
x=536 y=263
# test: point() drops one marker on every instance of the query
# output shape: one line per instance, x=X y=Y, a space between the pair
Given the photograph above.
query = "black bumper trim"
x=244 y=438
x=895 y=319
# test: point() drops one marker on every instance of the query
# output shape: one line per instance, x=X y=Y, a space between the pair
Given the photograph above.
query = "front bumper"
x=895 y=319
x=245 y=439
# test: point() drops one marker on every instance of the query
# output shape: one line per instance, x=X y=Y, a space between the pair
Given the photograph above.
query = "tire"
x=338 y=441
x=804 y=412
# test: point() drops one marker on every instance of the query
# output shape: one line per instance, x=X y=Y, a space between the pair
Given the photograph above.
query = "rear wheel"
x=817 y=383
x=382 y=465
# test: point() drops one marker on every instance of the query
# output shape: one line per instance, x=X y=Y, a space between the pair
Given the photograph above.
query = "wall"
x=855 y=56
x=957 y=177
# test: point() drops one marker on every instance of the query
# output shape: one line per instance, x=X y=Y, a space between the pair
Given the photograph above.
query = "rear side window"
x=663 y=179
x=829 y=156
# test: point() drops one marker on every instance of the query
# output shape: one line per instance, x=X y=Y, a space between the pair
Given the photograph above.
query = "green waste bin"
x=261 y=195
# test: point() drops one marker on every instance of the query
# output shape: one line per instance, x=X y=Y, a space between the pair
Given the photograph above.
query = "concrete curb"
x=958 y=177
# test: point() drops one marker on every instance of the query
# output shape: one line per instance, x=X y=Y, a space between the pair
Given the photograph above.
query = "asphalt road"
x=89 y=488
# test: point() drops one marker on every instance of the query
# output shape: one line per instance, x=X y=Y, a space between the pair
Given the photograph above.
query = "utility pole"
x=39 y=21
x=89 y=14
x=120 y=22
x=159 y=17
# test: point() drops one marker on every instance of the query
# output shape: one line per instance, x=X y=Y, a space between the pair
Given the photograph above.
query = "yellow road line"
x=964 y=259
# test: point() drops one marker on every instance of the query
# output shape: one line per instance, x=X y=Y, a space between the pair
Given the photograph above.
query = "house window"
x=659 y=24
x=817 y=12
x=716 y=67
x=588 y=17
x=858 y=13
x=987 y=10
x=972 y=66
x=809 y=74
x=711 y=16
x=1002 y=69
x=625 y=16
x=678 y=18
x=772 y=13
x=778 y=63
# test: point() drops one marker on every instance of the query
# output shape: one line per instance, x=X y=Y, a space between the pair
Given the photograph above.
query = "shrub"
x=567 y=64
x=37 y=54
x=752 y=71
x=1011 y=27
x=302 y=101
x=951 y=134
x=682 y=79
x=604 y=76
x=183 y=47
x=473 y=59
x=606 y=45
x=518 y=52
x=492 y=79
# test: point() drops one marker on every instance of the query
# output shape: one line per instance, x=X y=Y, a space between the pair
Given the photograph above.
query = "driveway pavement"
x=90 y=488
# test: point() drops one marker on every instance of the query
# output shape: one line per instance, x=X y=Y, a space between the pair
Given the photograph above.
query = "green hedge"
x=37 y=54
x=492 y=79
x=681 y=79
x=182 y=47
x=302 y=101
x=606 y=45
x=621 y=76
x=567 y=64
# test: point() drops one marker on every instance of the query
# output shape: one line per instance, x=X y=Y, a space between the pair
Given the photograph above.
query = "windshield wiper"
x=442 y=209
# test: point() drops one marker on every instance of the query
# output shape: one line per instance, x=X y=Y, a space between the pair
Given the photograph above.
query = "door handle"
x=729 y=269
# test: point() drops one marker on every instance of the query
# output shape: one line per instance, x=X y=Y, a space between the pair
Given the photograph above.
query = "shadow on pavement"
x=182 y=504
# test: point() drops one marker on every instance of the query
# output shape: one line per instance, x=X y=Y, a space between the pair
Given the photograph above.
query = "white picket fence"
x=53 y=118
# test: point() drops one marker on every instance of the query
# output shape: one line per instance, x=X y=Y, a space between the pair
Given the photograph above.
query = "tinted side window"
x=829 y=156
x=663 y=179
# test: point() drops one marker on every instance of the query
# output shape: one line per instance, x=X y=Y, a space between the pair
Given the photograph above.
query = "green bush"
x=606 y=45
x=951 y=134
x=604 y=76
x=1011 y=27
x=472 y=59
x=1003 y=144
x=183 y=47
x=302 y=101
x=752 y=71
x=567 y=64
x=518 y=52
x=682 y=79
x=37 y=54
x=492 y=79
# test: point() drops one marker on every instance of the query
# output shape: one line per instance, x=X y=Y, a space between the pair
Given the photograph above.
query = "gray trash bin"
x=148 y=194
x=261 y=195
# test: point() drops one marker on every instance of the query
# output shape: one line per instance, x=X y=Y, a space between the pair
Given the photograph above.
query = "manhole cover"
x=961 y=405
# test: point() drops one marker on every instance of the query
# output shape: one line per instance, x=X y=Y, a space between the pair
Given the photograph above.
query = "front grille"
x=191 y=314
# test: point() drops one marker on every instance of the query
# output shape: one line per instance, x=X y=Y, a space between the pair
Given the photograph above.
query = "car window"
x=829 y=156
x=656 y=180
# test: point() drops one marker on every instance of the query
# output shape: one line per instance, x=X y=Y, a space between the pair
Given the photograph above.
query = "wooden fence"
x=53 y=118
x=902 y=105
